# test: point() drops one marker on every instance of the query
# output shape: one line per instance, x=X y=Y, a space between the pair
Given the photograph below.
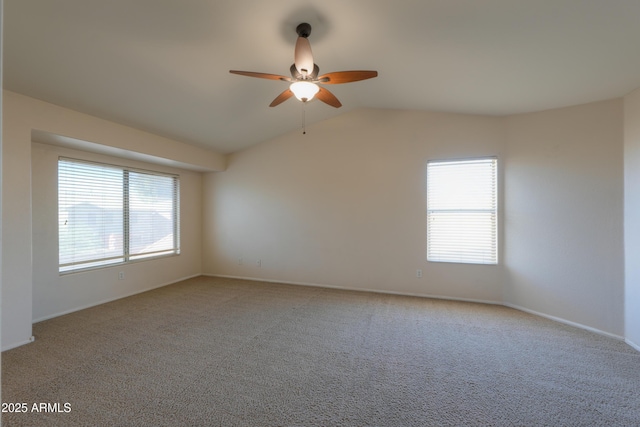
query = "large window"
x=110 y=214
x=462 y=211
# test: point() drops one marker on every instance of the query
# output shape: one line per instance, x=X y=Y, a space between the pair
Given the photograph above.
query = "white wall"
x=564 y=202
x=54 y=294
x=632 y=217
x=344 y=205
x=23 y=115
x=16 y=227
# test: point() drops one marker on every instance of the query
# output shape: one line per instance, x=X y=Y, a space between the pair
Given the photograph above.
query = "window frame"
x=125 y=257
x=494 y=213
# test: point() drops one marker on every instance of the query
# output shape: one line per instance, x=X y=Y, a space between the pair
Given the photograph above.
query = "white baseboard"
x=514 y=306
x=564 y=321
x=93 y=304
x=344 y=288
x=632 y=344
x=257 y=279
x=18 y=344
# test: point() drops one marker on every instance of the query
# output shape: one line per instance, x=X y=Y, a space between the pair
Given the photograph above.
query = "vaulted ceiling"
x=163 y=65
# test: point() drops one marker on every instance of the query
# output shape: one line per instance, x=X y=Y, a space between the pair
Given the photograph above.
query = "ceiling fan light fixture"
x=304 y=91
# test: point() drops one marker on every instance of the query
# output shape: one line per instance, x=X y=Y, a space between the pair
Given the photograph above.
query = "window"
x=462 y=211
x=109 y=214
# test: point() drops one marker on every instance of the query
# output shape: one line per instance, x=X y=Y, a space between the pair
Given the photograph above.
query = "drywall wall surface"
x=564 y=214
x=58 y=121
x=54 y=294
x=632 y=216
x=21 y=116
x=345 y=205
x=16 y=226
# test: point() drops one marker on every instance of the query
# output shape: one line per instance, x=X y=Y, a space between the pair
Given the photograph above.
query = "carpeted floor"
x=222 y=352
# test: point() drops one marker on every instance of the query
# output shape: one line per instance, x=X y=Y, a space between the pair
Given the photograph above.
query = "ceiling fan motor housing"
x=296 y=75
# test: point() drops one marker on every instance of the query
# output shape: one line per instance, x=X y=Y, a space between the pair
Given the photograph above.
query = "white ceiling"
x=163 y=65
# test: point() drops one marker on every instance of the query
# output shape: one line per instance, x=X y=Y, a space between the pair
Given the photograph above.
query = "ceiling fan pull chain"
x=304 y=126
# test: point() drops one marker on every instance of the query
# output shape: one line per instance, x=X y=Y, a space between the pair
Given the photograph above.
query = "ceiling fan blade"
x=339 y=77
x=328 y=98
x=261 y=75
x=281 y=98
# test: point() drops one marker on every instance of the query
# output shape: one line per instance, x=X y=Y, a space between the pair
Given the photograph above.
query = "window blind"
x=462 y=211
x=152 y=215
x=109 y=214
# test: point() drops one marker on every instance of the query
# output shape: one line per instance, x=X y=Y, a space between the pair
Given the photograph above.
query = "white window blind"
x=462 y=211
x=109 y=214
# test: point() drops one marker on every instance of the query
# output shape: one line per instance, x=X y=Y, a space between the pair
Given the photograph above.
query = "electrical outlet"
x=240 y=261
x=121 y=275
x=418 y=273
x=259 y=263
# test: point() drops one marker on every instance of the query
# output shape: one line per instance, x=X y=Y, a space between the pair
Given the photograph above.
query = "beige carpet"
x=221 y=352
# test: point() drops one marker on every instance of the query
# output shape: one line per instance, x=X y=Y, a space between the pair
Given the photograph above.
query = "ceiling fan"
x=304 y=75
